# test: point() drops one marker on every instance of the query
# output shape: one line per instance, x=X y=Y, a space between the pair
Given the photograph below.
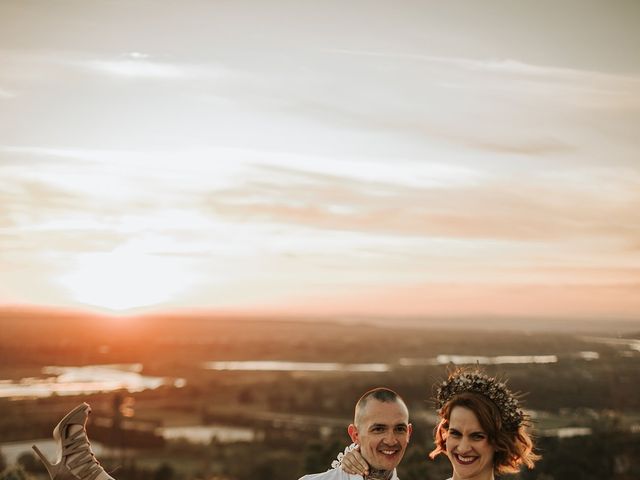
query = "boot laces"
x=78 y=443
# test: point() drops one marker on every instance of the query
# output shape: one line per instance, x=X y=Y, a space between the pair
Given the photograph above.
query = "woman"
x=482 y=429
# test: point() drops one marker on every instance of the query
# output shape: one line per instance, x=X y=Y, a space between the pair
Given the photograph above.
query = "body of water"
x=106 y=378
x=194 y=434
x=494 y=360
x=12 y=450
x=474 y=359
x=567 y=432
x=204 y=433
x=84 y=380
x=445 y=359
x=281 y=366
x=632 y=344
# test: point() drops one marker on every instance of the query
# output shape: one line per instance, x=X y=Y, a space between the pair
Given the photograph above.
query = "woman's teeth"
x=462 y=459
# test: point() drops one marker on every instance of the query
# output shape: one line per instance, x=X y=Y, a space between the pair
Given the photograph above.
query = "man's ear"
x=353 y=433
x=409 y=430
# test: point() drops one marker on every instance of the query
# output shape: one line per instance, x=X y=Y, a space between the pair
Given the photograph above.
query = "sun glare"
x=125 y=279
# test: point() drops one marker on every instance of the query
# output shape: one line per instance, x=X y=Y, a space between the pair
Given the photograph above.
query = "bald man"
x=381 y=430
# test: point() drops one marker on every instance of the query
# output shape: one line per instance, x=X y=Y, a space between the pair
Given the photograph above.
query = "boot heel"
x=50 y=468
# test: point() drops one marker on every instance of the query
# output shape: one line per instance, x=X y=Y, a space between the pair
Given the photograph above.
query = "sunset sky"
x=322 y=157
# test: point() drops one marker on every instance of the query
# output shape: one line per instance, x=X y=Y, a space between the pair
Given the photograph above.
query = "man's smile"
x=389 y=451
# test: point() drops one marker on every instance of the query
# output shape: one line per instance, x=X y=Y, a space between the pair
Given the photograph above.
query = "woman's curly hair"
x=513 y=448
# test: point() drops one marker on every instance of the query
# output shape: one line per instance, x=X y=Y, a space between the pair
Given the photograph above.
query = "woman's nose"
x=463 y=446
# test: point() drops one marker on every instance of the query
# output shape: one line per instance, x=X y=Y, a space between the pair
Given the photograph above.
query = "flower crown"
x=461 y=381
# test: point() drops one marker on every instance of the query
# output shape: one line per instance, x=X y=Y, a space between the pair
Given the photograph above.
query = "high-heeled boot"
x=76 y=460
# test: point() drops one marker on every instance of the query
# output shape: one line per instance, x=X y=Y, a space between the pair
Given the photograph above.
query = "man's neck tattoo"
x=375 y=474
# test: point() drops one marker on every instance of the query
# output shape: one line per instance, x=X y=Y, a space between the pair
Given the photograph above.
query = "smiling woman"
x=125 y=279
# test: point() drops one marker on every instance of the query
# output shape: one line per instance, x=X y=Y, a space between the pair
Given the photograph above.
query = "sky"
x=414 y=158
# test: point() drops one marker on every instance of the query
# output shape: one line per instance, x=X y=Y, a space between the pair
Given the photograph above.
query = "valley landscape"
x=196 y=396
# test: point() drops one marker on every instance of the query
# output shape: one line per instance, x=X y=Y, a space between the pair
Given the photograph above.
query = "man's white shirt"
x=338 y=474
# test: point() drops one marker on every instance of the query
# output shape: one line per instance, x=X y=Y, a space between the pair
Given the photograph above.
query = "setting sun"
x=125 y=279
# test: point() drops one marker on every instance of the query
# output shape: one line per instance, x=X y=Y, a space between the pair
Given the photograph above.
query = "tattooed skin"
x=379 y=474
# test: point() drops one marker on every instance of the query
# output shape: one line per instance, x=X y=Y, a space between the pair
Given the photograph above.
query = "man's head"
x=381 y=427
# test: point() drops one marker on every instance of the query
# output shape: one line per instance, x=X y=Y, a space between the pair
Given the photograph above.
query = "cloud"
x=507 y=67
x=6 y=93
x=30 y=201
x=36 y=67
x=501 y=208
x=142 y=68
x=534 y=147
x=133 y=68
x=441 y=103
x=57 y=241
x=377 y=195
x=58 y=154
x=37 y=219
x=426 y=130
x=584 y=88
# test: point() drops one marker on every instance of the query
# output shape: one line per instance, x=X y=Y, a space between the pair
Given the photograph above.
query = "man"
x=381 y=431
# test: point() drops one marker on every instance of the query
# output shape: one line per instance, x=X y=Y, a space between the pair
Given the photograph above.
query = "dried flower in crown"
x=461 y=381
